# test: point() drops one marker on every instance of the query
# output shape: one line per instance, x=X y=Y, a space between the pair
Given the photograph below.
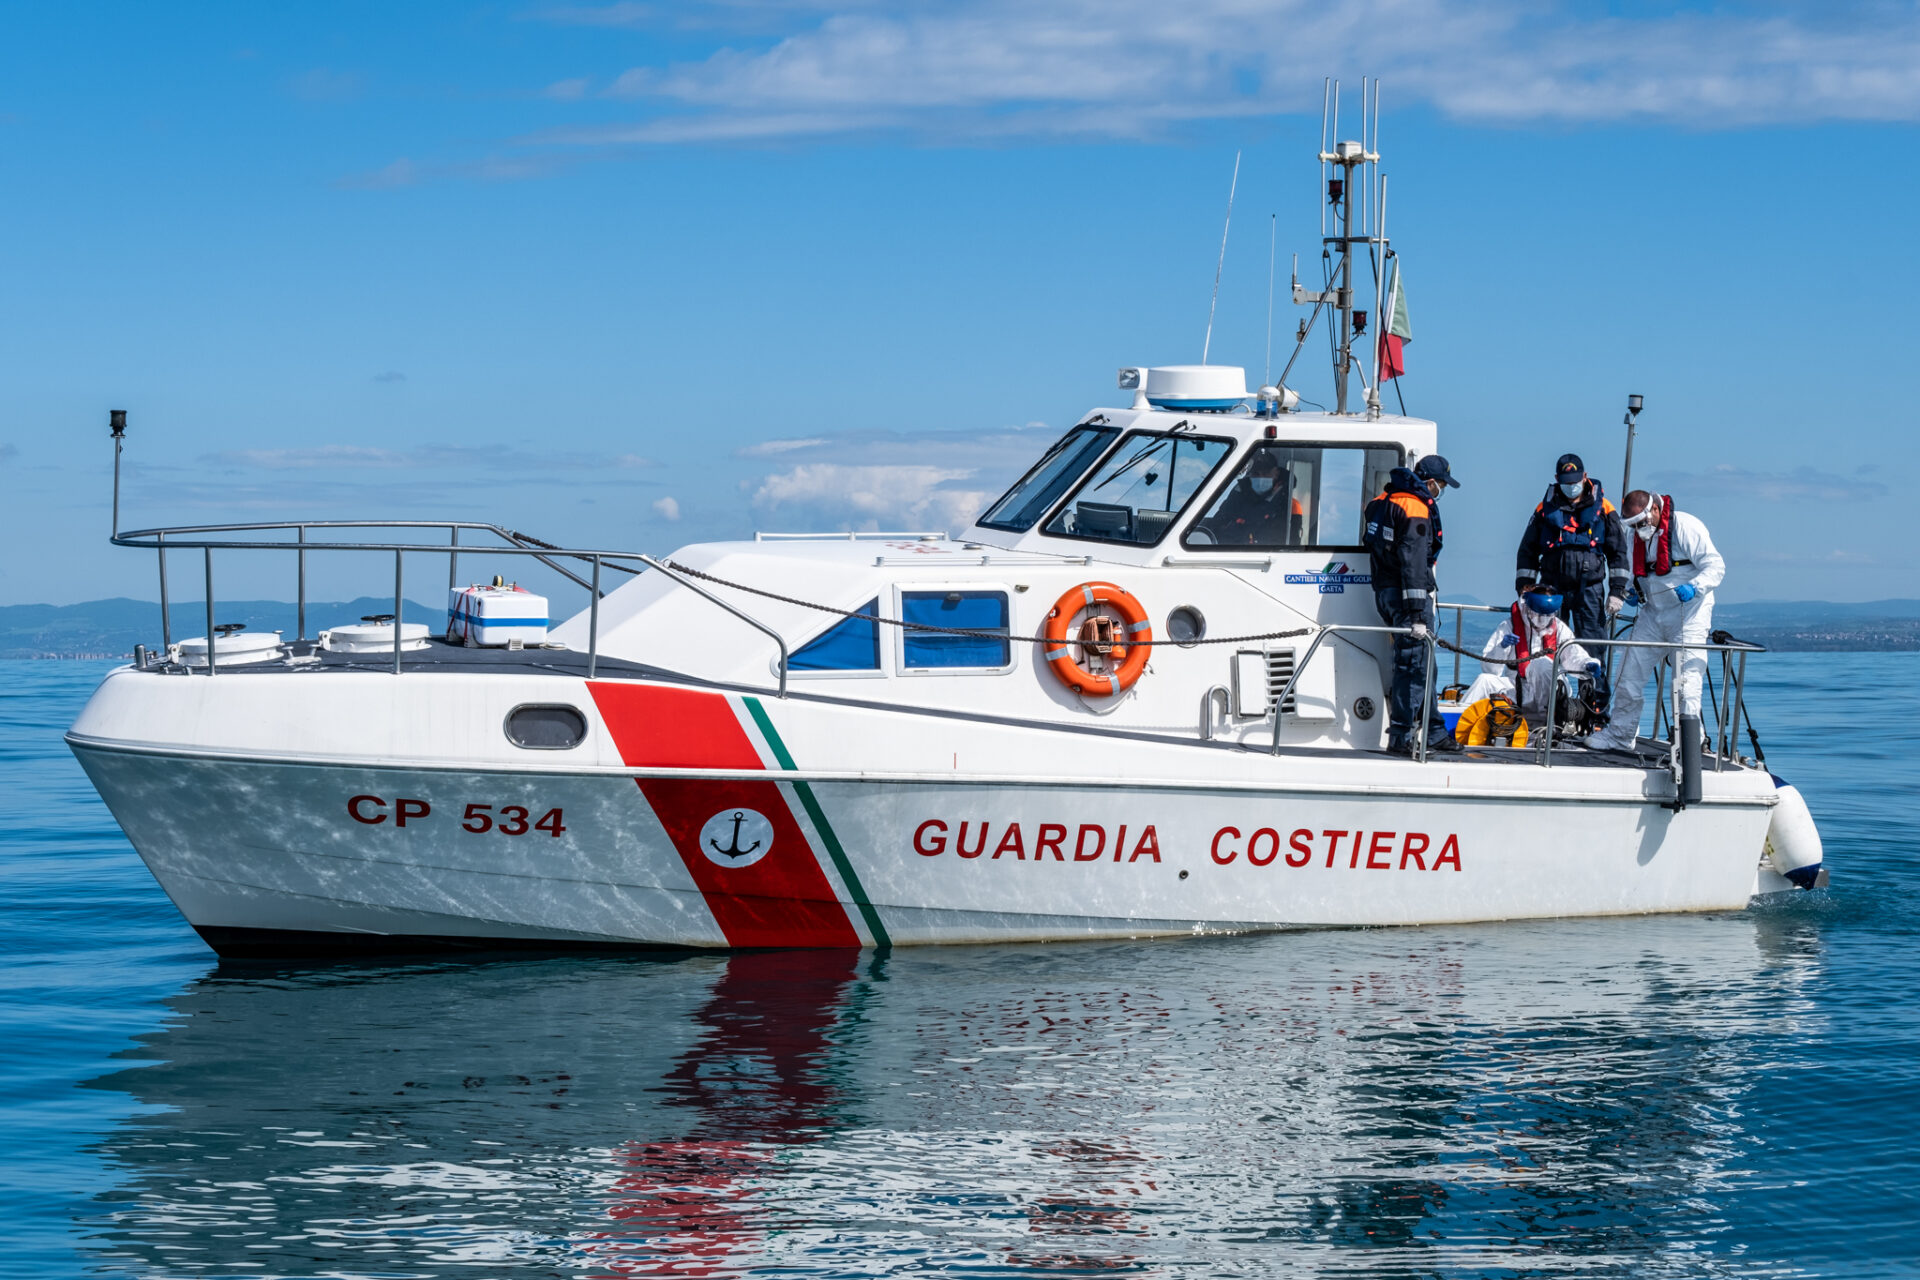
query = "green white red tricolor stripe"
x=1397 y=332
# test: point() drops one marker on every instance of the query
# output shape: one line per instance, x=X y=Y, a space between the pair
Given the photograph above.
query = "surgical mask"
x=1262 y=485
x=1571 y=491
x=1647 y=532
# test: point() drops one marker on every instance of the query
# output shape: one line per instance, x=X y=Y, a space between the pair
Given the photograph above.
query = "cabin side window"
x=1140 y=490
x=981 y=614
x=1041 y=487
x=1296 y=497
x=852 y=644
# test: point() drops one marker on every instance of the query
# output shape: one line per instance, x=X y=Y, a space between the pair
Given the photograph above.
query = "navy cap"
x=1434 y=467
x=1569 y=470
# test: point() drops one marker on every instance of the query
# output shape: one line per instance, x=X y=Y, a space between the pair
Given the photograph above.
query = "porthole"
x=1363 y=708
x=541 y=726
x=1186 y=626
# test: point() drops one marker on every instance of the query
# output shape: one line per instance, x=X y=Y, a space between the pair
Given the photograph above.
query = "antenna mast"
x=1273 y=244
x=1348 y=171
x=1207 y=345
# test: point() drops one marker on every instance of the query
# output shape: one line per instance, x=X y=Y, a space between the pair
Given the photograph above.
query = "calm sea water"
x=1731 y=1095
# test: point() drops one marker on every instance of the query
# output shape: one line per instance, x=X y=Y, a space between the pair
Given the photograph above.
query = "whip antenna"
x=1273 y=232
x=1207 y=345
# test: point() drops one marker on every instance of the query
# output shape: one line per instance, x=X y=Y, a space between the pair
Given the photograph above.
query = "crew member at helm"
x=1543 y=648
x=1260 y=509
x=1402 y=537
x=1576 y=546
x=1675 y=569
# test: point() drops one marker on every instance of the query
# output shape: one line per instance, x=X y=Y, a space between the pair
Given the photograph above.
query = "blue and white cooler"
x=491 y=617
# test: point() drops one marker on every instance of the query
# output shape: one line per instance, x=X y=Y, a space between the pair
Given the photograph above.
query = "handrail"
x=1459 y=616
x=745 y=617
x=162 y=540
x=1674 y=649
x=1426 y=708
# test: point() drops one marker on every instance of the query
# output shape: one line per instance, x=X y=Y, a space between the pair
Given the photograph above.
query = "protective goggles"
x=1651 y=515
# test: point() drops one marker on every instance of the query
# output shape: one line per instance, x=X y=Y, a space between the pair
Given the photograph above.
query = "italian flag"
x=1397 y=332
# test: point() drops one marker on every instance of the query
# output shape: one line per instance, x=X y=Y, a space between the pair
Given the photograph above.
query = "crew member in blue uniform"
x=1576 y=546
x=1403 y=542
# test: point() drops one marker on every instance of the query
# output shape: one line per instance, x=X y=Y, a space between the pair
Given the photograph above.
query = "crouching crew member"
x=1543 y=649
x=1402 y=537
x=1576 y=547
x=1675 y=569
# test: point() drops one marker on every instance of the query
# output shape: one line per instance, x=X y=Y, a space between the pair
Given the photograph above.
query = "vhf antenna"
x=1341 y=165
x=1207 y=345
x=1273 y=233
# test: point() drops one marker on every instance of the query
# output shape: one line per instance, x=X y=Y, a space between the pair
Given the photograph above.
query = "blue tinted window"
x=1064 y=463
x=852 y=644
x=969 y=610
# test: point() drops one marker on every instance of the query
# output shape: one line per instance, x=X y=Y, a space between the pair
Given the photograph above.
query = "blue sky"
x=639 y=275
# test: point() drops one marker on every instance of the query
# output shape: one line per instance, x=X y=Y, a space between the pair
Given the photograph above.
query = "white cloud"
x=877 y=496
x=667 y=509
x=571 y=90
x=982 y=69
x=769 y=448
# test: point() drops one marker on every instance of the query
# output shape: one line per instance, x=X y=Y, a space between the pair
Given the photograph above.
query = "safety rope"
x=979 y=633
x=989 y=633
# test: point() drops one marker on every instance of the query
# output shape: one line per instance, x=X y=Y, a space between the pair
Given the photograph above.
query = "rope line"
x=986 y=633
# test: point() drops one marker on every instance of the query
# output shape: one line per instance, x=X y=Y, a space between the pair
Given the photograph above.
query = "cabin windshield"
x=1042 y=486
x=1297 y=496
x=1140 y=490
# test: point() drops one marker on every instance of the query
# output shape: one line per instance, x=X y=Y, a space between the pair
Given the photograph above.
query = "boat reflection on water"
x=1407 y=1102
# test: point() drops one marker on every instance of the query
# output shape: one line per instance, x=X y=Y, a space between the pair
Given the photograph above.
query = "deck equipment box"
x=489 y=617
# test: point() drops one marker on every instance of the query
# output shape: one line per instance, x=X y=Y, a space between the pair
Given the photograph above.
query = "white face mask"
x=1647 y=532
x=1262 y=485
x=1571 y=491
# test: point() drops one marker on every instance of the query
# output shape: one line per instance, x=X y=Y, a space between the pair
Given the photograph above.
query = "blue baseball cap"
x=1569 y=470
x=1434 y=467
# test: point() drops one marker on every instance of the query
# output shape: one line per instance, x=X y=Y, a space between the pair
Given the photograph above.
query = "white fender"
x=1793 y=841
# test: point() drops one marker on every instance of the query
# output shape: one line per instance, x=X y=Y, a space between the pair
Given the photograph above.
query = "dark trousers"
x=1409 y=671
x=1581 y=580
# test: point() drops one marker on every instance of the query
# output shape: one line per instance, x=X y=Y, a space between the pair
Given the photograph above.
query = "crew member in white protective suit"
x=1532 y=635
x=1675 y=569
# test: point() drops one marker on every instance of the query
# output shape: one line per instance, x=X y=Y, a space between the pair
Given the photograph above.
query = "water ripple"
x=1698 y=1096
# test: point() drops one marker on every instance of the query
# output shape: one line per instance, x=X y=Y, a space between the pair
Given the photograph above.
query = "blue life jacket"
x=1569 y=527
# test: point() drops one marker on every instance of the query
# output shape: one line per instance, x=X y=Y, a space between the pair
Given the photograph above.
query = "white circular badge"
x=736 y=838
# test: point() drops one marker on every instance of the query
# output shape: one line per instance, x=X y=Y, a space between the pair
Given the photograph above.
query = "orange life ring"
x=1131 y=652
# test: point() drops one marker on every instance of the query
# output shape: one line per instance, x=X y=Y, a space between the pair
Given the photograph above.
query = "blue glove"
x=1685 y=591
x=1594 y=668
x=1510 y=642
x=1633 y=596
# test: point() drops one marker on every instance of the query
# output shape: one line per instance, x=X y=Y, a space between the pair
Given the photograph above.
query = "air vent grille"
x=1279 y=672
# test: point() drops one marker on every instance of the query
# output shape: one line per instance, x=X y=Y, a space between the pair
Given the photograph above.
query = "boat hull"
x=278 y=855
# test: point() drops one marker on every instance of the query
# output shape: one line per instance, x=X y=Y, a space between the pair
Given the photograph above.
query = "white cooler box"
x=491 y=616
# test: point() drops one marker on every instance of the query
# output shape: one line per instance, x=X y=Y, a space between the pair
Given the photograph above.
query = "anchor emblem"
x=736 y=838
x=734 y=850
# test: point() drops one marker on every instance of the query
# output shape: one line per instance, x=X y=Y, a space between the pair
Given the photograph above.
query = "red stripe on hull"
x=784 y=899
x=781 y=900
x=666 y=728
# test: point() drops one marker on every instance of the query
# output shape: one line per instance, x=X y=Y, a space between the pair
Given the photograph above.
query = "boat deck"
x=443 y=657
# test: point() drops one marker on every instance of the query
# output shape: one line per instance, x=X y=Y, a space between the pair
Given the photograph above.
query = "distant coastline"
x=101 y=629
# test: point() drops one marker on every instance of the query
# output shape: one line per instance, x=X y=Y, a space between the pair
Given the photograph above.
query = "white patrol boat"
x=1127 y=701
